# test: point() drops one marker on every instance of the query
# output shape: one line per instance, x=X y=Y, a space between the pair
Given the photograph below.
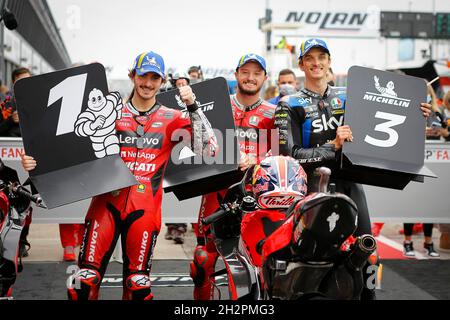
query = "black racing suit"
x=307 y=121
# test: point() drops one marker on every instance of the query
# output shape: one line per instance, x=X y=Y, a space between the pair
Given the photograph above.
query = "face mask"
x=286 y=89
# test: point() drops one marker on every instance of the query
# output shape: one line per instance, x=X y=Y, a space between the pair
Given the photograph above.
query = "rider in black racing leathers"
x=308 y=124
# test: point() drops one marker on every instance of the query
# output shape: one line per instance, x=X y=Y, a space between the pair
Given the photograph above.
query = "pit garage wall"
x=419 y=202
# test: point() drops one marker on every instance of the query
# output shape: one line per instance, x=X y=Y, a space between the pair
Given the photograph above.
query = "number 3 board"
x=388 y=128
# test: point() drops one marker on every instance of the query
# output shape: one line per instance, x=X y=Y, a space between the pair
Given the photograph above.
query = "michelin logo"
x=205 y=107
x=98 y=122
x=386 y=95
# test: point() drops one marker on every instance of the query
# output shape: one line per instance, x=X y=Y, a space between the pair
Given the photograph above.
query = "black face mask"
x=331 y=83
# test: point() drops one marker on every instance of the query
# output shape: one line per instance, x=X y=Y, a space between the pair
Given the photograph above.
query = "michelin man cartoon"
x=388 y=91
x=98 y=122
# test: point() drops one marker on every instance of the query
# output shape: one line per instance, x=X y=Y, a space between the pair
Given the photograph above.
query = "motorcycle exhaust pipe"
x=364 y=246
x=367 y=243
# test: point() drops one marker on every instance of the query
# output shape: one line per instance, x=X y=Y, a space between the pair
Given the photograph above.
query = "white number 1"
x=394 y=120
x=71 y=90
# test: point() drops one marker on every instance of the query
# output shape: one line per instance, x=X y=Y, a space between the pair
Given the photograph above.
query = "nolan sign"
x=340 y=23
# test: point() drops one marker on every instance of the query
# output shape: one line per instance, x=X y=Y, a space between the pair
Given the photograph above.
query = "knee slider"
x=138 y=287
x=84 y=285
x=203 y=265
x=203 y=258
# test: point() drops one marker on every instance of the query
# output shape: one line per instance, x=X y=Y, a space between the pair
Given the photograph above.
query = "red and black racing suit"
x=254 y=126
x=134 y=213
x=306 y=122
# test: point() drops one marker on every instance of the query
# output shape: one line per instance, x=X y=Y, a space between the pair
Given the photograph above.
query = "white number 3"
x=386 y=127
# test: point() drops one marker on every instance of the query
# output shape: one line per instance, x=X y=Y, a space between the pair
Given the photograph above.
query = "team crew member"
x=144 y=132
x=287 y=84
x=9 y=117
x=311 y=126
x=252 y=115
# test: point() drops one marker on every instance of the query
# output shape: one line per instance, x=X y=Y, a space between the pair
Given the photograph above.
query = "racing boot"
x=137 y=287
x=201 y=269
x=84 y=285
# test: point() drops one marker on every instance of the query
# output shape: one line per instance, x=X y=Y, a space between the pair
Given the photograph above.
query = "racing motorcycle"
x=15 y=206
x=277 y=242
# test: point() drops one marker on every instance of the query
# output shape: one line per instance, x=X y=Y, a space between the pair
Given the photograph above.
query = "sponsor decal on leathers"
x=322 y=124
x=92 y=245
x=151 y=140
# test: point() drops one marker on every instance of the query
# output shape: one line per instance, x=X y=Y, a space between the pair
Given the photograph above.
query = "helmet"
x=277 y=182
x=179 y=75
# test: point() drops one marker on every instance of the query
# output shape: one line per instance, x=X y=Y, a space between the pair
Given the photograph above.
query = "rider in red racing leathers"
x=144 y=131
x=254 y=121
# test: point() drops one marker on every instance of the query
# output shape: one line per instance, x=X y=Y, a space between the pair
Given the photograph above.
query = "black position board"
x=195 y=175
x=383 y=111
x=67 y=119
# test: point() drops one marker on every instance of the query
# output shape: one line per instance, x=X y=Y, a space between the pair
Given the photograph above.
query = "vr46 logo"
x=322 y=124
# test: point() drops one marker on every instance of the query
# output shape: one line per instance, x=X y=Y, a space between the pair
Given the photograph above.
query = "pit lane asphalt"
x=402 y=280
